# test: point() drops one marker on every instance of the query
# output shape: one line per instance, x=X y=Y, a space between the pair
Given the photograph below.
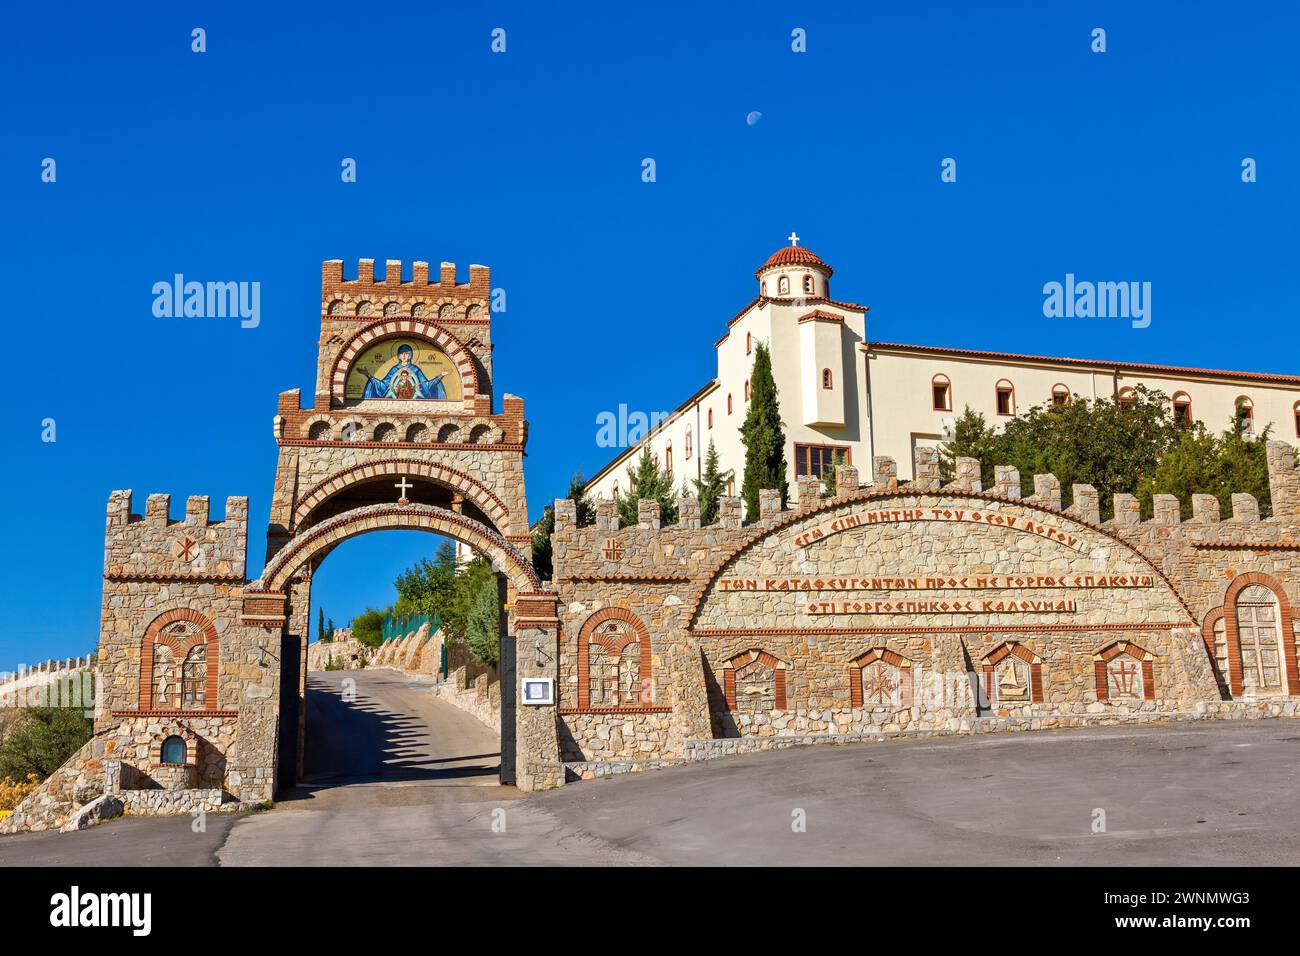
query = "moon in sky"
x=753 y=117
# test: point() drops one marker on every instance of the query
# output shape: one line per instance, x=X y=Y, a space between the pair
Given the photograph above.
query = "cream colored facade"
x=831 y=379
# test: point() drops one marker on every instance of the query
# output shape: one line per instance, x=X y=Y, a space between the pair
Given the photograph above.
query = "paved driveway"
x=395 y=776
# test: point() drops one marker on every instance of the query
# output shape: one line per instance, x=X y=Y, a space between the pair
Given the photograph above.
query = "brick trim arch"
x=475 y=492
x=1286 y=630
x=859 y=663
x=207 y=634
x=320 y=539
x=994 y=657
x=1141 y=655
x=871 y=496
x=731 y=664
x=614 y=646
x=393 y=327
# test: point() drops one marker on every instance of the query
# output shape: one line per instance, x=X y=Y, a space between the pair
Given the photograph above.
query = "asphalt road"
x=398 y=777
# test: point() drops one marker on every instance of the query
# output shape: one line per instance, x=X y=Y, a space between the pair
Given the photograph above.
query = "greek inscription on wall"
x=994 y=606
x=986 y=582
x=900 y=515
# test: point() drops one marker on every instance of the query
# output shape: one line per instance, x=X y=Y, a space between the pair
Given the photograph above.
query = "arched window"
x=807 y=284
x=173 y=751
x=689 y=448
x=194 y=678
x=1060 y=395
x=178 y=663
x=1295 y=410
x=363 y=308
x=941 y=393
x=336 y=307
x=1246 y=415
x=1124 y=673
x=827 y=379
x=753 y=682
x=746 y=389
x=319 y=431
x=614 y=661
x=728 y=403
x=749 y=343
x=1005 y=396
x=710 y=418
x=1182 y=408
x=762 y=288
x=1126 y=396
x=783 y=286
x=668 y=458
x=1259 y=636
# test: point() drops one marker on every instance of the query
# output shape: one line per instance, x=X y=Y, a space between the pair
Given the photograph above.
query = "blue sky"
x=225 y=166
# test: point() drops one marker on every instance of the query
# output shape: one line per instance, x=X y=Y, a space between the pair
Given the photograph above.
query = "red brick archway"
x=319 y=539
x=207 y=634
x=1286 y=630
x=474 y=492
x=612 y=645
x=393 y=327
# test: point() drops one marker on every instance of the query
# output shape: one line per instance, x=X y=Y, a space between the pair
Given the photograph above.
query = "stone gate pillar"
x=535 y=622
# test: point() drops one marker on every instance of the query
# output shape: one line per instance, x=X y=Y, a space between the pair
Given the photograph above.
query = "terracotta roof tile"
x=794 y=256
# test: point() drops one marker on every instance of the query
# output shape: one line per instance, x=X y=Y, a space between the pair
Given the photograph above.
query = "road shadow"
x=364 y=741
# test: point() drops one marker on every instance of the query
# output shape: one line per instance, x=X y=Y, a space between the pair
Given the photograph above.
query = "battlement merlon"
x=154 y=545
x=334 y=285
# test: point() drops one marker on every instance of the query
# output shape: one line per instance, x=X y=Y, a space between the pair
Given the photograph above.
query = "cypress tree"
x=710 y=488
x=763 y=436
x=645 y=480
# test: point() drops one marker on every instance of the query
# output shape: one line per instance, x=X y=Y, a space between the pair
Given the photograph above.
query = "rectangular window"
x=814 y=459
x=1183 y=412
x=941 y=398
x=1004 y=401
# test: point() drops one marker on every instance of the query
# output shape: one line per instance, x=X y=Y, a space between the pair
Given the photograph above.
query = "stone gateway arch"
x=927 y=606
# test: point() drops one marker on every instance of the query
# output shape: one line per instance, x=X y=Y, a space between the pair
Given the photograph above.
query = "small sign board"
x=538 y=691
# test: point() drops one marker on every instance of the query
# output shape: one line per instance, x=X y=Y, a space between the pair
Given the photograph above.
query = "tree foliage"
x=542 y=554
x=1208 y=464
x=1110 y=445
x=427 y=587
x=710 y=487
x=1136 y=447
x=763 y=436
x=42 y=739
x=646 y=480
x=368 y=628
x=463 y=597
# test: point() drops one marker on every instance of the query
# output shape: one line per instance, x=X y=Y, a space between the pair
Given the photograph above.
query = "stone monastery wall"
x=919 y=607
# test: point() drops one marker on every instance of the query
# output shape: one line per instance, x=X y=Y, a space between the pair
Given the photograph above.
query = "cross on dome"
x=793 y=237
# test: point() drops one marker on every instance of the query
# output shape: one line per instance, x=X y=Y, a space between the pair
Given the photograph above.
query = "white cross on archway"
x=793 y=237
x=403 y=486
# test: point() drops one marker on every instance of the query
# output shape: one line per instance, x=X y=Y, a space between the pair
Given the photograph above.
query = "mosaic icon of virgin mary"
x=405 y=380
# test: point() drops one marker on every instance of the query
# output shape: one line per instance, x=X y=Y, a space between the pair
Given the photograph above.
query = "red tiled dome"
x=794 y=256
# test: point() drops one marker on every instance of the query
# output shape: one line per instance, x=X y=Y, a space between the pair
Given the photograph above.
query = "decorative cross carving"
x=187 y=550
x=793 y=237
x=403 y=486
